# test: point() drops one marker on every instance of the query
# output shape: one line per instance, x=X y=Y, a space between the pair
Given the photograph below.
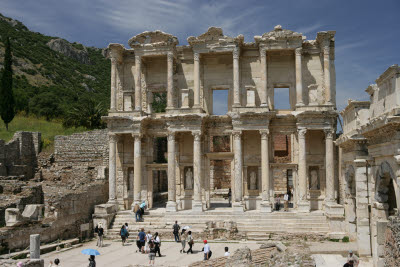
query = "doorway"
x=160 y=188
x=220 y=183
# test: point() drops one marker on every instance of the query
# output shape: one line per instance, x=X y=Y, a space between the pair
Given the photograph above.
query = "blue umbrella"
x=90 y=251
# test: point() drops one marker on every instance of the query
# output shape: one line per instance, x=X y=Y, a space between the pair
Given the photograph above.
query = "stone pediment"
x=153 y=38
x=279 y=34
x=215 y=35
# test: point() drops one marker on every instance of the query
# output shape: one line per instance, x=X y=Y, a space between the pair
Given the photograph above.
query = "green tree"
x=46 y=104
x=7 y=102
x=86 y=113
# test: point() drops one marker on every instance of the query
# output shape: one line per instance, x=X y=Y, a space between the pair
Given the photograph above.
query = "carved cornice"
x=153 y=39
x=215 y=34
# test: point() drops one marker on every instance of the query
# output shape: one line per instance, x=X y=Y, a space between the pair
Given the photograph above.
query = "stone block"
x=303 y=206
x=197 y=207
x=102 y=172
x=13 y=217
x=381 y=230
x=105 y=209
x=251 y=97
x=237 y=207
x=265 y=207
x=171 y=206
x=185 y=98
x=33 y=212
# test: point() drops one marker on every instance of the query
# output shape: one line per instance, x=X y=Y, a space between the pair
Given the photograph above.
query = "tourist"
x=56 y=263
x=229 y=197
x=227 y=253
x=152 y=253
x=352 y=260
x=176 y=228
x=149 y=238
x=183 y=240
x=20 y=264
x=123 y=234
x=138 y=244
x=92 y=261
x=142 y=239
x=100 y=234
x=136 y=210
x=290 y=196
x=277 y=203
x=157 y=244
x=190 y=241
x=286 y=199
x=207 y=251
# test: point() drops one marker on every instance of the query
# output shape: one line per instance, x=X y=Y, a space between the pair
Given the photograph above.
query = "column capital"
x=171 y=136
x=264 y=133
x=329 y=133
x=113 y=137
x=236 y=52
x=302 y=132
x=237 y=134
x=263 y=51
x=137 y=136
x=326 y=51
x=113 y=61
x=298 y=51
x=170 y=57
x=196 y=56
x=197 y=135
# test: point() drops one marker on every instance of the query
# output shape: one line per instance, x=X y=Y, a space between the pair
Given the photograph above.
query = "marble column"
x=299 y=78
x=264 y=77
x=303 y=205
x=237 y=204
x=170 y=81
x=197 y=172
x=327 y=75
x=329 y=167
x=112 y=179
x=171 y=204
x=113 y=84
x=138 y=83
x=236 y=75
x=34 y=246
x=137 y=171
x=196 y=78
x=265 y=204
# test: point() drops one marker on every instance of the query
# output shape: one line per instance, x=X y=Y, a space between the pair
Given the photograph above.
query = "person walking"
x=142 y=239
x=229 y=197
x=286 y=199
x=157 y=244
x=176 y=228
x=100 y=234
x=149 y=239
x=136 y=210
x=152 y=252
x=92 y=261
x=190 y=242
x=56 y=263
x=123 y=234
x=183 y=240
x=206 y=250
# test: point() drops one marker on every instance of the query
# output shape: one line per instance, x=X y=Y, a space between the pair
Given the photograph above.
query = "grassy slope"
x=49 y=129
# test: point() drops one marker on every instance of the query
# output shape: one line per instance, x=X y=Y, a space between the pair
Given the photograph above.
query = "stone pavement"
x=328 y=260
x=116 y=255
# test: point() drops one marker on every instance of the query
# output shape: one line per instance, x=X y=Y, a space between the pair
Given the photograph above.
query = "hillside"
x=51 y=75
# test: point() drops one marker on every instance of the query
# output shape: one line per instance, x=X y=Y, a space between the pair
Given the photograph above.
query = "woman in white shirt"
x=149 y=237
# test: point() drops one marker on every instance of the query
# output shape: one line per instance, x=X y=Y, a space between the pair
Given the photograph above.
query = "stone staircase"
x=256 y=226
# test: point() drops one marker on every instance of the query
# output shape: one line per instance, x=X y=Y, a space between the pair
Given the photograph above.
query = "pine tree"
x=7 y=103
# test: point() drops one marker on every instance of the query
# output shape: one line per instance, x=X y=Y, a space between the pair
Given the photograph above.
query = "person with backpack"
x=124 y=233
x=142 y=239
x=100 y=234
x=157 y=244
x=136 y=210
x=207 y=251
x=152 y=252
x=176 y=228
x=190 y=242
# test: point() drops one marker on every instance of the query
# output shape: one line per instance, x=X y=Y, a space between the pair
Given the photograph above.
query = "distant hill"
x=52 y=75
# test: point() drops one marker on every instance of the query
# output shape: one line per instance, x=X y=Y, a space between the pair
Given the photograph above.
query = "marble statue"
x=189 y=179
x=314 y=180
x=253 y=181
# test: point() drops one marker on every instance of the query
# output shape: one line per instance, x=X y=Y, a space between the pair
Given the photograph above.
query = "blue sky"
x=367 y=38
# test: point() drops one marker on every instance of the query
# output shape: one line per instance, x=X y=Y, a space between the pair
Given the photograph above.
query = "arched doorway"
x=385 y=190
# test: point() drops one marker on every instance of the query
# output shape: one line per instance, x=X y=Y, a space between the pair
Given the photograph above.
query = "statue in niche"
x=253 y=181
x=314 y=181
x=189 y=179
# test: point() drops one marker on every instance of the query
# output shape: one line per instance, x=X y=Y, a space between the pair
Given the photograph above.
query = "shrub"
x=346 y=239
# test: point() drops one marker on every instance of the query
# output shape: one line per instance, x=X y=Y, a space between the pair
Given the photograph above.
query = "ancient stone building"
x=370 y=165
x=184 y=149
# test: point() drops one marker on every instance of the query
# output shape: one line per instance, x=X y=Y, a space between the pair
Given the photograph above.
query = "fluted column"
x=303 y=204
x=138 y=83
x=112 y=179
x=170 y=82
x=265 y=204
x=137 y=171
x=327 y=75
x=197 y=203
x=171 y=204
x=264 y=77
x=113 y=84
x=329 y=167
x=196 y=77
x=299 y=78
x=236 y=75
x=237 y=204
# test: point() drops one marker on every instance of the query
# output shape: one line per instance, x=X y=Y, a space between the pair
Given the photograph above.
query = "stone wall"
x=392 y=242
x=83 y=149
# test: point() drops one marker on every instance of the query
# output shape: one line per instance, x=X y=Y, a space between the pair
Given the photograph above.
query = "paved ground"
x=328 y=260
x=116 y=255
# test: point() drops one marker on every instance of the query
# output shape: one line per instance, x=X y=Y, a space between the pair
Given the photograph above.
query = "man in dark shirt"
x=176 y=228
x=142 y=239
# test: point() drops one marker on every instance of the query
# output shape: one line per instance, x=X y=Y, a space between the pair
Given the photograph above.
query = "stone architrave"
x=171 y=204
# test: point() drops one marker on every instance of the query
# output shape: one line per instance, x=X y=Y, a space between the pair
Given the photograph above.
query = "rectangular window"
x=281 y=99
x=220 y=101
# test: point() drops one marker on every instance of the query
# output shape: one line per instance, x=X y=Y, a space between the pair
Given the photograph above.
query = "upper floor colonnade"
x=251 y=72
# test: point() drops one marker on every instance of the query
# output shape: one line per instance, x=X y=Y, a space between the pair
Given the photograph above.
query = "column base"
x=197 y=206
x=197 y=109
x=237 y=207
x=300 y=105
x=264 y=105
x=265 y=207
x=303 y=206
x=112 y=201
x=171 y=206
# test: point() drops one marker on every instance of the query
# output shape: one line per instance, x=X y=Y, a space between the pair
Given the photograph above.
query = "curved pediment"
x=153 y=38
x=214 y=34
x=279 y=34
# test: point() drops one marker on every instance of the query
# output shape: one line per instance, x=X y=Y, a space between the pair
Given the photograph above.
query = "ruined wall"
x=392 y=242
